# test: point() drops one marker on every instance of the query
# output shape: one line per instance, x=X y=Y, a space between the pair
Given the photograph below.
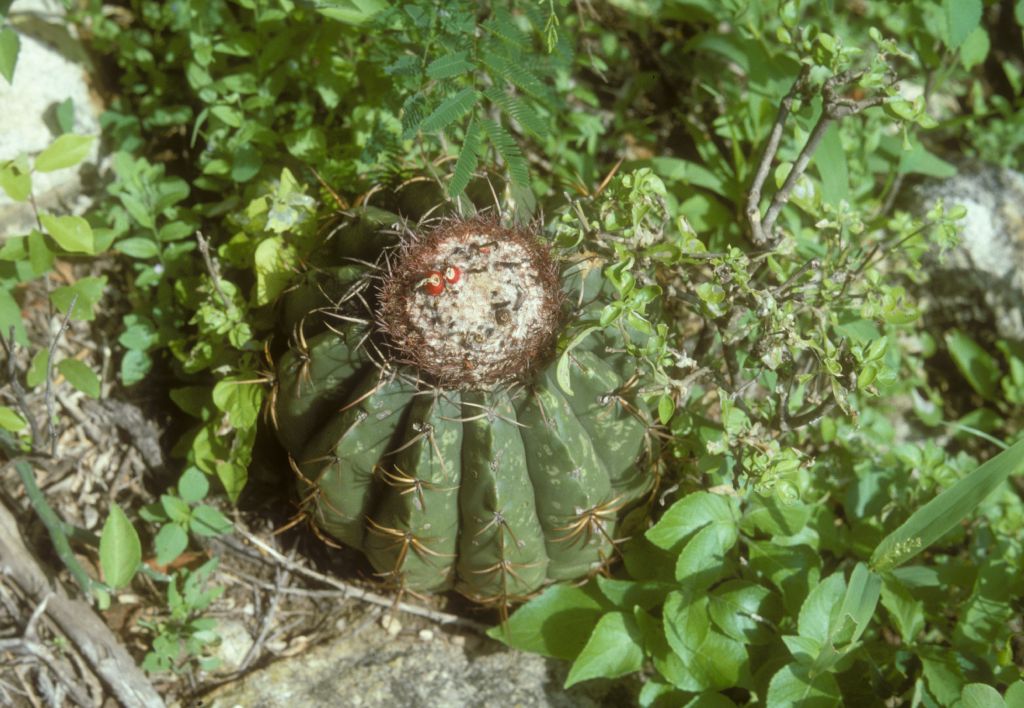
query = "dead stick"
x=359 y=593
x=105 y=655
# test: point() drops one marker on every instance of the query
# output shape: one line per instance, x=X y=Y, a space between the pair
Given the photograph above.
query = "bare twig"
x=34 y=648
x=211 y=268
x=810 y=416
x=351 y=591
x=834 y=107
x=20 y=396
x=758 y=233
x=90 y=635
x=281 y=577
x=50 y=413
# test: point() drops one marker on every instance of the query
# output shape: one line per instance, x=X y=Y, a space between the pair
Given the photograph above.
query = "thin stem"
x=211 y=268
x=753 y=208
x=50 y=412
x=19 y=393
x=54 y=527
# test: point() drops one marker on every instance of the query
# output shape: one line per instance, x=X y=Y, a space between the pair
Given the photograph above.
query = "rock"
x=44 y=78
x=979 y=286
x=235 y=642
x=370 y=669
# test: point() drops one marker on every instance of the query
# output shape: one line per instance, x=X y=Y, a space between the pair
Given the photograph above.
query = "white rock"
x=235 y=642
x=44 y=78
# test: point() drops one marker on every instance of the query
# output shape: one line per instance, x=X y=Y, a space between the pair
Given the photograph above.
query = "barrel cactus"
x=435 y=424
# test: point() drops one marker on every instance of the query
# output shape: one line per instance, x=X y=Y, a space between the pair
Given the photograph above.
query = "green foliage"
x=183 y=635
x=817 y=434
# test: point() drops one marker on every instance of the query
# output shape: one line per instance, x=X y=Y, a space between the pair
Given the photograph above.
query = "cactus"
x=430 y=424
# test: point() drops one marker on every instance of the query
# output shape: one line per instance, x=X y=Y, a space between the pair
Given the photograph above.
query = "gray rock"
x=369 y=668
x=48 y=72
x=979 y=286
x=235 y=643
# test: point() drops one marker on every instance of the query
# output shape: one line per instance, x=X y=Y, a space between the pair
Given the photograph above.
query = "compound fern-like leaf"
x=450 y=65
x=466 y=165
x=450 y=110
x=509 y=151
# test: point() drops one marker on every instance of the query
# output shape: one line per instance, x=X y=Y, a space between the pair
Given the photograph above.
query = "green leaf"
x=518 y=109
x=450 y=110
x=674 y=169
x=169 y=543
x=977 y=366
x=627 y=594
x=975 y=49
x=307 y=144
x=508 y=149
x=562 y=369
x=516 y=73
x=689 y=514
x=744 y=611
x=207 y=521
x=934 y=519
x=72 y=233
x=466 y=165
x=449 y=65
x=614 y=649
x=139 y=334
x=10 y=317
x=233 y=477
x=351 y=12
x=16 y=179
x=65 y=151
x=10 y=43
x=135 y=364
x=10 y=420
x=792 y=569
x=120 y=549
x=858 y=606
x=712 y=660
x=80 y=376
x=88 y=292
x=962 y=17
x=821 y=608
x=194 y=400
x=193 y=485
x=36 y=373
x=906 y=612
x=39 y=254
x=240 y=399
x=980 y=695
x=918 y=160
x=702 y=560
x=1014 y=695
x=139 y=247
x=942 y=673
x=176 y=509
x=830 y=160
x=550 y=623
x=65 y=114
x=274 y=261
x=245 y=164
x=794 y=686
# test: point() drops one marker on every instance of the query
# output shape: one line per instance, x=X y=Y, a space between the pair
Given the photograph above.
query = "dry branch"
x=76 y=619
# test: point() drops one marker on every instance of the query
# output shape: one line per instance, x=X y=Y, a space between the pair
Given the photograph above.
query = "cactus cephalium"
x=428 y=426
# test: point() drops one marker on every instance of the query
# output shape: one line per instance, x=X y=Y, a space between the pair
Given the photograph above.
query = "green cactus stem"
x=428 y=427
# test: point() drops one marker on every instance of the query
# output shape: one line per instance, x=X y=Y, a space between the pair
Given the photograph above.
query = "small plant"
x=183 y=635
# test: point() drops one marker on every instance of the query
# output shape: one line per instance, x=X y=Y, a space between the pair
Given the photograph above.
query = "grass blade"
x=930 y=522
